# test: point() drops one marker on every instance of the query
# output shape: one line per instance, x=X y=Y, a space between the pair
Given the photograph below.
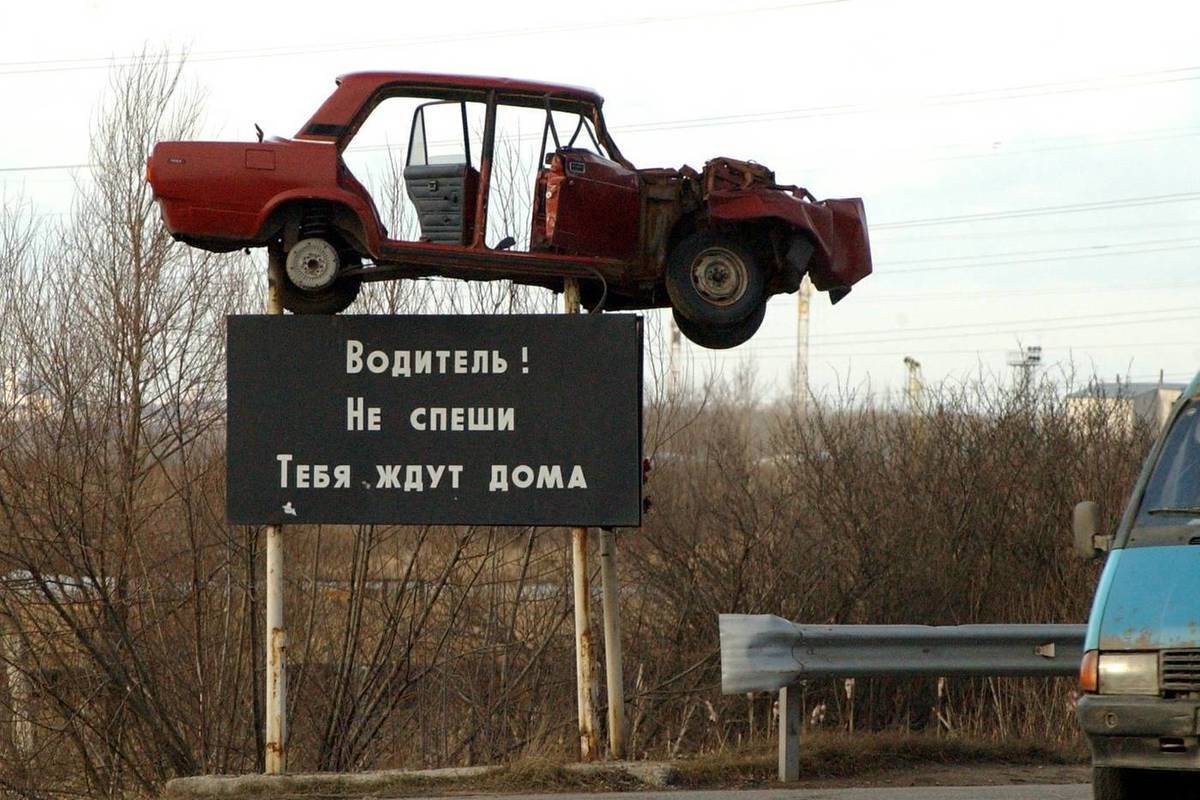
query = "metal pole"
x=673 y=359
x=789 y=734
x=613 y=662
x=803 y=303
x=275 y=759
x=588 y=741
x=20 y=689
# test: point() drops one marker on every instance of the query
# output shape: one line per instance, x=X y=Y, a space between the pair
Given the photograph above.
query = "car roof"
x=472 y=82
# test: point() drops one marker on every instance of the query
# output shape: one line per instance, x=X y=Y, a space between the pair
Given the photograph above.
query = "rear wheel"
x=713 y=278
x=721 y=337
x=309 y=277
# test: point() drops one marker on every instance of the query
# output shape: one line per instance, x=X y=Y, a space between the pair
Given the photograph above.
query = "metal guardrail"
x=764 y=653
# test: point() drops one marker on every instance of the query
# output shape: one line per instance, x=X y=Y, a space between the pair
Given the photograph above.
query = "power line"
x=77 y=64
x=1039 y=321
x=41 y=167
x=922 y=235
x=1030 y=261
x=987 y=294
x=1134 y=137
x=740 y=354
x=1002 y=93
x=1103 y=205
x=1020 y=213
x=1145 y=135
x=1011 y=253
x=1032 y=331
x=1128 y=80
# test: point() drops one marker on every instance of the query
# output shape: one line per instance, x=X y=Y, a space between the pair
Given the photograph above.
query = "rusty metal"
x=593 y=213
x=275 y=757
x=276 y=693
x=486 y=156
x=589 y=743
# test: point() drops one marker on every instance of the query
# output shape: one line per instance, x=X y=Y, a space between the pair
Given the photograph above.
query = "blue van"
x=1140 y=674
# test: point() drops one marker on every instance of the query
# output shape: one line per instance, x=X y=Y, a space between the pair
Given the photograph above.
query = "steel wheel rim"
x=312 y=264
x=720 y=276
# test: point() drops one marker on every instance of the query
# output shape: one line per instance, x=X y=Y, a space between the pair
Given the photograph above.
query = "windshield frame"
x=585 y=125
x=1139 y=528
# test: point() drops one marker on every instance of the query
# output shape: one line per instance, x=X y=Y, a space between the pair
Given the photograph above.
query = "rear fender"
x=351 y=216
x=835 y=229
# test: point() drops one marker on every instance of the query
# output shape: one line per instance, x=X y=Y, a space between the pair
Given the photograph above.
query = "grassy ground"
x=831 y=755
x=825 y=759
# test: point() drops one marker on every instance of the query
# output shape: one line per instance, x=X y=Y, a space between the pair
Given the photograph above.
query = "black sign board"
x=494 y=420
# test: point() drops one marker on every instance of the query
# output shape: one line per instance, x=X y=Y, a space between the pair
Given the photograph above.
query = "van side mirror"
x=1085 y=524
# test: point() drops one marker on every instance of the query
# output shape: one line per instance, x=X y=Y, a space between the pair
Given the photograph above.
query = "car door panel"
x=587 y=205
x=444 y=196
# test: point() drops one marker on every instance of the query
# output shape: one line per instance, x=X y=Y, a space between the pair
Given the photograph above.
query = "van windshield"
x=1173 y=491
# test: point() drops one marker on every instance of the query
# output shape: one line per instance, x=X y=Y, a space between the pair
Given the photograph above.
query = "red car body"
x=595 y=216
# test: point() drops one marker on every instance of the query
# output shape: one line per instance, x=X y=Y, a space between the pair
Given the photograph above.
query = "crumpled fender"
x=837 y=228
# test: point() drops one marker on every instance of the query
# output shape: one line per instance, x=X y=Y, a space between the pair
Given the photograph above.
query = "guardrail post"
x=789 y=734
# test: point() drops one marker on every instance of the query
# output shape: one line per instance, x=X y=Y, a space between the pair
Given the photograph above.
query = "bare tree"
x=132 y=645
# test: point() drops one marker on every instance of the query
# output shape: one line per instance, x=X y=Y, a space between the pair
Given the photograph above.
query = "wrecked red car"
x=713 y=244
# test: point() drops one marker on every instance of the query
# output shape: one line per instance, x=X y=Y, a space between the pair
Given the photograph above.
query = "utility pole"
x=1025 y=361
x=803 y=301
x=589 y=744
x=673 y=361
x=275 y=759
x=914 y=385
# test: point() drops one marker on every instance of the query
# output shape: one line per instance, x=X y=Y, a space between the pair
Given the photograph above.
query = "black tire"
x=713 y=279
x=332 y=299
x=1118 y=783
x=721 y=338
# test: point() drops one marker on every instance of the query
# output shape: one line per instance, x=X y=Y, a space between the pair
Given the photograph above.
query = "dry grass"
x=831 y=755
x=823 y=756
x=541 y=774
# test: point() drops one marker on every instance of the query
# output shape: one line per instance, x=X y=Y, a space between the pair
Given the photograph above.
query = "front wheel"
x=721 y=338
x=714 y=279
x=309 y=282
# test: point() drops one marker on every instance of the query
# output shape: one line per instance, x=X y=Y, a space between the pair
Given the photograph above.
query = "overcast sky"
x=1029 y=168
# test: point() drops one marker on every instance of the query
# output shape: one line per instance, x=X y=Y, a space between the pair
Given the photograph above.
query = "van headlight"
x=1128 y=673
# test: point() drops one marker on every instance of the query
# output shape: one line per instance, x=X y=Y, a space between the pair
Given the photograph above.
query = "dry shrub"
x=953 y=512
x=132 y=614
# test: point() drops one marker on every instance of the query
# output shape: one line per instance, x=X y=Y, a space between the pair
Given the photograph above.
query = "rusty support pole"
x=589 y=744
x=613 y=662
x=275 y=759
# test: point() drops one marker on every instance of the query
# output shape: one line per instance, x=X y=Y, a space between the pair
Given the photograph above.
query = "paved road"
x=1032 y=791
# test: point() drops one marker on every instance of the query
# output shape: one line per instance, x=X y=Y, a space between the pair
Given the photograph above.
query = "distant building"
x=1126 y=402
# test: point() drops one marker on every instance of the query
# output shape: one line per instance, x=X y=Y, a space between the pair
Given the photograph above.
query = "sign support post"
x=274 y=760
x=611 y=605
x=613 y=662
x=588 y=741
x=494 y=398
